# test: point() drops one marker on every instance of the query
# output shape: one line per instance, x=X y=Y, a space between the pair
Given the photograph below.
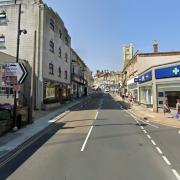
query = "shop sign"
x=145 y=77
x=167 y=72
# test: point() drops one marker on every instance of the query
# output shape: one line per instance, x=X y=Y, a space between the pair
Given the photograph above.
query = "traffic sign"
x=16 y=70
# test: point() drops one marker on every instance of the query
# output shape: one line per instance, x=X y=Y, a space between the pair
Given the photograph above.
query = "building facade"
x=108 y=79
x=141 y=80
x=46 y=47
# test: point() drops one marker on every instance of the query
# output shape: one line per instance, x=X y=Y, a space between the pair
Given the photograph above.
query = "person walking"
x=177 y=108
x=166 y=106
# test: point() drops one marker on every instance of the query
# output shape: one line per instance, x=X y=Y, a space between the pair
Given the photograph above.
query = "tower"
x=127 y=53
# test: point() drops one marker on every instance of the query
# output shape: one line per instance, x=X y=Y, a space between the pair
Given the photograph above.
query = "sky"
x=99 y=28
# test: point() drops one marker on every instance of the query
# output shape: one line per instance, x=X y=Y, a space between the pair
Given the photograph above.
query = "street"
x=97 y=140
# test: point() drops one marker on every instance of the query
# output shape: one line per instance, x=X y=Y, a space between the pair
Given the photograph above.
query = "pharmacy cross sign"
x=175 y=71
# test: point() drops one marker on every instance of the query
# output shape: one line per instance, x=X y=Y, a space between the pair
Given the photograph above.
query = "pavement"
x=148 y=115
x=99 y=139
x=11 y=141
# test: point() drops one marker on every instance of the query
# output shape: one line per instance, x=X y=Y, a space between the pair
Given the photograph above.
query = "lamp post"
x=19 y=31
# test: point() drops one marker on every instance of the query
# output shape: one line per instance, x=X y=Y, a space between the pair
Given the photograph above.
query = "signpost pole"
x=17 y=59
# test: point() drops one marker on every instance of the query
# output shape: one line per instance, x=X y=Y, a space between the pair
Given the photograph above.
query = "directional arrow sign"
x=17 y=70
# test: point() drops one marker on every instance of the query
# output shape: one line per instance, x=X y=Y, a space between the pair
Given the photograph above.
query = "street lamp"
x=19 y=32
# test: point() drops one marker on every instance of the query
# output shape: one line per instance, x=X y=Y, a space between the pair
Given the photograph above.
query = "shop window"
x=60 y=53
x=65 y=75
x=2 y=41
x=51 y=24
x=3 y=18
x=51 y=68
x=59 y=69
x=51 y=46
x=66 y=57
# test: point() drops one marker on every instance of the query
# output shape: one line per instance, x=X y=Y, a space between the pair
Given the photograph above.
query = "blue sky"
x=99 y=28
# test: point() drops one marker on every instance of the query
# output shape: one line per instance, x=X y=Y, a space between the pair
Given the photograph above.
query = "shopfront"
x=168 y=84
x=145 y=88
x=133 y=88
x=54 y=92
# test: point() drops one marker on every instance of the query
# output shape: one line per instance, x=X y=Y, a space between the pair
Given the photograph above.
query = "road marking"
x=132 y=114
x=148 y=123
x=159 y=150
x=87 y=137
x=166 y=160
x=148 y=136
x=176 y=174
x=84 y=144
x=145 y=131
x=153 y=142
x=141 y=127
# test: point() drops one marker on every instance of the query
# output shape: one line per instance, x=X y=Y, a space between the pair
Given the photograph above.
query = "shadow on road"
x=27 y=150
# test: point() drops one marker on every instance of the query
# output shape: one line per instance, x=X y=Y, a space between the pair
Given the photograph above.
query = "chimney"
x=155 y=46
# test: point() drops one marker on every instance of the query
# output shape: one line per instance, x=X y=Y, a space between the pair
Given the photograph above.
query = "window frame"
x=66 y=57
x=59 y=71
x=51 y=68
x=52 y=24
x=60 y=52
x=65 y=75
x=2 y=42
x=51 y=44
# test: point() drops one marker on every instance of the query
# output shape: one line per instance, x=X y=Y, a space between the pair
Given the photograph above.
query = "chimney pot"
x=155 y=46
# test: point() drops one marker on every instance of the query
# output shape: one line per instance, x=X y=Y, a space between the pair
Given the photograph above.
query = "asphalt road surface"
x=97 y=140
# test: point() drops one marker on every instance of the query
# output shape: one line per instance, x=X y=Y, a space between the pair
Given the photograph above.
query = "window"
x=52 y=24
x=65 y=75
x=3 y=15
x=51 y=44
x=66 y=57
x=73 y=68
x=60 y=52
x=66 y=41
x=51 y=68
x=59 y=71
x=2 y=41
x=3 y=18
x=60 y=34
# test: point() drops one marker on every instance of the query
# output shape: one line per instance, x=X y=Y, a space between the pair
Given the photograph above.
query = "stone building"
x=81 y=76
x=46 y=47
x=140 y=78
x=108 y=79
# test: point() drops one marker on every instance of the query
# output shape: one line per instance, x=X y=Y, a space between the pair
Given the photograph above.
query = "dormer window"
x=2 y=41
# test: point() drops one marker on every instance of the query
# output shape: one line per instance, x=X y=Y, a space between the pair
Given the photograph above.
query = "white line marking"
x=87 y=137
x=148 y=123
x=141 y=127
x=153 y=142
x=176 y=174
x=148 y=136
x=84 y=144
x=96 y=115
x=159 y=150
x=145 y=131
x=166 y=160
x=132 y=114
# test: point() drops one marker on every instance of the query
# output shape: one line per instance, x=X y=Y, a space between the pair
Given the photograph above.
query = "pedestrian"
x=166 y=106
x=177 y=108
